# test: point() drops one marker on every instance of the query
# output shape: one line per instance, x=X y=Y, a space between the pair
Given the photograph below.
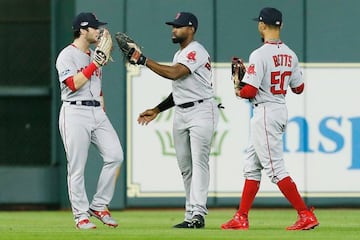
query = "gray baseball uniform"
x=272 y=75
x=194 y=125
x=82 y=122
x=273 y=68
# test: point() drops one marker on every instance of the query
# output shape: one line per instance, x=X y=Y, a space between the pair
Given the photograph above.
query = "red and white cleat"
x=306 y=221
x=238 y=222
x=85 y=224
x=104 y=216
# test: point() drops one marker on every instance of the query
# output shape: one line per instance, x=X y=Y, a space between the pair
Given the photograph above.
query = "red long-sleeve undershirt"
x=248 y=91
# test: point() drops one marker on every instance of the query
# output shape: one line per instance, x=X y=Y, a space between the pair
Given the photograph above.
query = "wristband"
x=166 y=104
x=89 y=70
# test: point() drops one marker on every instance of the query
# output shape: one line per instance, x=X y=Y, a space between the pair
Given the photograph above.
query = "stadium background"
x=32 y=160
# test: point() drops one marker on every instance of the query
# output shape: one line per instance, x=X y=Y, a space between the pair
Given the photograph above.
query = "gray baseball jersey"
x=72 y=60
x=272 y=69
x=198 y=85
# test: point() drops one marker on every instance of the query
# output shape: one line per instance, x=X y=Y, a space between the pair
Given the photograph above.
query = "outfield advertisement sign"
x=321 y=145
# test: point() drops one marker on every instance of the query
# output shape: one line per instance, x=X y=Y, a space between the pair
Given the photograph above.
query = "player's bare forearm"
x=79 y=80
x=147 y=116
x=173 y=72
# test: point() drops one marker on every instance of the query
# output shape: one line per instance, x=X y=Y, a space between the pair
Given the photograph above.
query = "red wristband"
x=89 y=70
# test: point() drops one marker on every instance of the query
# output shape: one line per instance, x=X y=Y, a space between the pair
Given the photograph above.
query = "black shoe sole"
x=183 y=225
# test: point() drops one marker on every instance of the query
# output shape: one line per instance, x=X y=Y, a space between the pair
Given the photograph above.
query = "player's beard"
x=177 y=39
x=262 y=40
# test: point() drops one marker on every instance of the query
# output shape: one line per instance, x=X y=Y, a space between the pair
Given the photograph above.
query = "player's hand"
x=103 y=49
x=147 y=116
x=130 y=49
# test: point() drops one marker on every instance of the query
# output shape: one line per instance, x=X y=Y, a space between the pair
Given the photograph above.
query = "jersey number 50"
x=277 y=82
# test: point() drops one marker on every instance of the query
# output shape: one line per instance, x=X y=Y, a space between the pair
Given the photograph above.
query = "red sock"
x=289 y=189
x=251 y=187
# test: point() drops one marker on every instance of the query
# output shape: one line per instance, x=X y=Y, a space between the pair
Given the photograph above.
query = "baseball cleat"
x=85 y=224
x=184 y=224
x=306 y=221
x=238 y=222
x=104 y=217
x=198 y=221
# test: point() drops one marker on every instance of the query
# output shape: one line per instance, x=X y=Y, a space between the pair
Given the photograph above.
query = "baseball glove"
x=103 y=49
x=130 y=49
x=238 y=71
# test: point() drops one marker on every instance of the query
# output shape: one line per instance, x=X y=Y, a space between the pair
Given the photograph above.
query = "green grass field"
x=157 y=224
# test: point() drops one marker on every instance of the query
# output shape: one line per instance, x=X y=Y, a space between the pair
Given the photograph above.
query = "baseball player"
x=83 y=121
x=196 y=114
x=272 y=69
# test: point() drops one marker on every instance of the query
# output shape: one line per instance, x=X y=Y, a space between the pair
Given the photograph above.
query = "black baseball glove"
x=130 y=49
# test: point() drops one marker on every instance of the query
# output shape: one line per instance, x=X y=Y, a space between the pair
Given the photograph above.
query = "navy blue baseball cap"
x=85 y=20
x=183 y=19
x=271 y=16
